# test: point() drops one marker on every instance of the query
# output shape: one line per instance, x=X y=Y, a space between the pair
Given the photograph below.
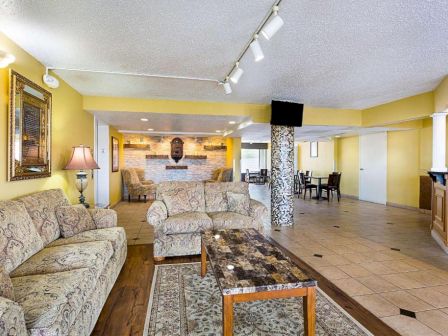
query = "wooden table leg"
x=309 y=311
x=203 y=260
x=227 y=315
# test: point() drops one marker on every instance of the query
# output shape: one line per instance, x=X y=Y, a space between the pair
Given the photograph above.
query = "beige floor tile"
x=355 y=270
x=332 y=273
x=378 y=305
x=428 y=278
x=431 y=296
x=442 y=289
x=408 y=326
x=378 y=267
x=352 y=287
x=357 y=257
x=403 y=281
x=337 y=260
x=399 y=266
x=421 y=265
x=404 y=300
x=315 y=261
x=377 y=256
x=435 y=319
x=377 y=284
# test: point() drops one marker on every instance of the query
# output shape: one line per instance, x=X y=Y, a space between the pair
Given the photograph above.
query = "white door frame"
x=373 y=167
x=102 y=157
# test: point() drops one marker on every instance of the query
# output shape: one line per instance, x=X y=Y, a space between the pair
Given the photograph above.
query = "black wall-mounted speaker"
x=286 y=113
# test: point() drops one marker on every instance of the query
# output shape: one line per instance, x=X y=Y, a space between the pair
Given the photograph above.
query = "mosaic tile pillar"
x=282 y=175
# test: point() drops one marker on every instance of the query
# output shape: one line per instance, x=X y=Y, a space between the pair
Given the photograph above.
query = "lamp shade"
x=81 y=159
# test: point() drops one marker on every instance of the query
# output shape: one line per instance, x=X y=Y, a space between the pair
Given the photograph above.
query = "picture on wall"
x=314 y=149
x=115 y=155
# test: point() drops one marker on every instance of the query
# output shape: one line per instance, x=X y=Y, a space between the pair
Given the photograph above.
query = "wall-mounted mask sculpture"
x=177 y=149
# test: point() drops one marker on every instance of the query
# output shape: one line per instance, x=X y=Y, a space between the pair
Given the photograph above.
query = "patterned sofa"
x=183 y=209
x=51 y=285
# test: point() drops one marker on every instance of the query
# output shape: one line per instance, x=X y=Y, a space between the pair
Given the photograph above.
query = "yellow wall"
x=323 y=164
x=115 y=183
x=441 y=96
x=403 y=161
x=347 y=162
x=416 y=107
x=71 y=126
x=236 y=158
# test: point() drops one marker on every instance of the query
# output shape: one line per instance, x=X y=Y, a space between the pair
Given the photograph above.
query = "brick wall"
x=155 y=168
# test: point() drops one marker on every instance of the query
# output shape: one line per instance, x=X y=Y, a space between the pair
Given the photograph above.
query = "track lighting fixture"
x=6 y=59
x=256 y=49
x=237 y=73
x=227 y=87
x=273 y=26
x=50 y=81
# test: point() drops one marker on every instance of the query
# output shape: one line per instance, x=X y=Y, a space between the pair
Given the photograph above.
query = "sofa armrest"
x=12 y=319
x=156 y=215
x=259 y=212
x=104 y=218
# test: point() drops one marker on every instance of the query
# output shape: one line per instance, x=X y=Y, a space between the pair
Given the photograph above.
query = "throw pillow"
x=239 y=203
x=6 y=289
x=74 y=219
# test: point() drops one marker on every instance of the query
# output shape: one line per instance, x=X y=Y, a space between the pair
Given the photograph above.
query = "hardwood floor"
x=125 y=310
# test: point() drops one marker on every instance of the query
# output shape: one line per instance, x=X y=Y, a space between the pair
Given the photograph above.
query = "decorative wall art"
x=314 y=146
x=29 y=129
x=115 y=155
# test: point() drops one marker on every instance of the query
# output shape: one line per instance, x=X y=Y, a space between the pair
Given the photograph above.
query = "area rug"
x=183 y=303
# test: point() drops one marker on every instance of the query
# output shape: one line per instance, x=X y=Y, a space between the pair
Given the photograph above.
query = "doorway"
x=373 y=168
x=102 y=157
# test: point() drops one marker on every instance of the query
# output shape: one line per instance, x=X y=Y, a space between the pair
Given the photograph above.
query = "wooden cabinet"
x=439 y=223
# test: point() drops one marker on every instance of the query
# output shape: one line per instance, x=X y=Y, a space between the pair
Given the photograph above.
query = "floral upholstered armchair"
x=183 y=209
x=135 y=187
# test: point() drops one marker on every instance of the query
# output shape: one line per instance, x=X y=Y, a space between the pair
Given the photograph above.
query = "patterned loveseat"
x=183 y=209
x=51 y=285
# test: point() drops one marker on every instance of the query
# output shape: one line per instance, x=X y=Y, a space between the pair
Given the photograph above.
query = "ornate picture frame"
x=29 y=129
x=115 y=155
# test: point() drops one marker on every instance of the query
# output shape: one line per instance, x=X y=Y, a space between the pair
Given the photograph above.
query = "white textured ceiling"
x=160 y=123
x=352 y=54
x=259 y=132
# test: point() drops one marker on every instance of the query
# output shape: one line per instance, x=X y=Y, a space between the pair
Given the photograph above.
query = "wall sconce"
x=6 y=59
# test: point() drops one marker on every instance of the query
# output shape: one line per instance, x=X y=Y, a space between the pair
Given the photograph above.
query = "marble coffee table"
x=248 y=267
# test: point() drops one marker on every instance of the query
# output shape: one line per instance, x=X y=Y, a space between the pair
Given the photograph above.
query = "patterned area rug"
x=183 y=303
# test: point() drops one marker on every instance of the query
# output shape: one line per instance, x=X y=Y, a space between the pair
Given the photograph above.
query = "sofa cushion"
x=182 y=196
x=92 y=255
x=51 y=302
x=6 y=289
x=41 y=207
x=74 y=219
x=239 y=203
x=216 y=197
x=19 y=239
x=115 y=235
x=187 y=222
x=231 y=220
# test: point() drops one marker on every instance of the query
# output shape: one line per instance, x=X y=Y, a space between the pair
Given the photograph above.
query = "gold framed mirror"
x=29 y=129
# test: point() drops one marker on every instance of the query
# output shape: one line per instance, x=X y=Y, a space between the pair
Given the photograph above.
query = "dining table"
x=319 y=185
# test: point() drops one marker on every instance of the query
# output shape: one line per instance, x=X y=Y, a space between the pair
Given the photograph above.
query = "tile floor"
x=383 y=257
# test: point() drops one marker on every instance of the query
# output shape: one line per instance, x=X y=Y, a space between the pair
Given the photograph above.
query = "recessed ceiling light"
x=144 y=119
x=337 y=136
x=232 y=122
x=218 y=131
x=150 y=129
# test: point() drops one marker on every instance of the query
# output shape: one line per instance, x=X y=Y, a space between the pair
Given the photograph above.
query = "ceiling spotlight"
x=6 y=59
x=227 y=87
x=237 y=73
x=50 y=81
x=144 y=119
x=256 y=49
x=273 y=26
x=232 y=122
x=150 y=129
x=218 y=131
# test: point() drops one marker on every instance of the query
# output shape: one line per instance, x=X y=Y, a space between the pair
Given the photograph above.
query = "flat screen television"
x=286 y=113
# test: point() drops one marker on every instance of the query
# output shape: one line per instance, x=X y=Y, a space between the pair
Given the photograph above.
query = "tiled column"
x=439 y=142
x=282 y=176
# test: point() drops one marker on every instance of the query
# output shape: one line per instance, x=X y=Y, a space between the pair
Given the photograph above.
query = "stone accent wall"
x=155 y=168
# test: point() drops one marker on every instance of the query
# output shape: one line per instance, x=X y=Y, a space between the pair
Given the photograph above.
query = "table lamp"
x=81 y=160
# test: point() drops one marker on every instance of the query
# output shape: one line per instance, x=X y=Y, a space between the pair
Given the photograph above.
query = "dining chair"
x=263 y=176
x=330 y=186
x=307 y=186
